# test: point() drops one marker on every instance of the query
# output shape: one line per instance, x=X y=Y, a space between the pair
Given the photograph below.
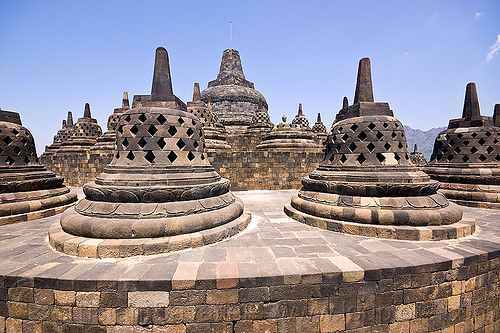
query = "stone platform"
x=278 y=275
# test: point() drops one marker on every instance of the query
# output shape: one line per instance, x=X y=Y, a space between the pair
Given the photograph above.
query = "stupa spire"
x=496 y=115
x=196 y=92
x=86 y=112
x=69 y=122
x=345 y=103
x=125 y=101
x=162 y=81
x=364 y=88
x=300 y=109
x=64 y=123
x=319 y=118
x=471 y=103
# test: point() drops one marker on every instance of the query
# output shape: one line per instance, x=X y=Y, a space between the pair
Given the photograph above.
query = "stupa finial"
x=471 y=103
x=319 y=118
x=364 y=88
x=415 y=148
x=196 y=92
x=125 y=101
x=162 y=82
x=69 y=122
x=86 y=112
x=283 y=118
x=345 y=103
x=300 y=109
x=64 y=123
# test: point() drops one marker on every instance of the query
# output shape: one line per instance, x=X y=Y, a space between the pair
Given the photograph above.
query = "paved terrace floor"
x=273 y=247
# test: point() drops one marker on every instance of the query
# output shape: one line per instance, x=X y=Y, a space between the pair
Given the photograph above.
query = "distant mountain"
x=423 y=139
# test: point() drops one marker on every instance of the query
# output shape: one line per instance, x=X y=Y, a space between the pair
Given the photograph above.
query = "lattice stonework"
x=157 y=138
x=17 y=147
x=370 y=139
x=468 y=145
x=87 y=129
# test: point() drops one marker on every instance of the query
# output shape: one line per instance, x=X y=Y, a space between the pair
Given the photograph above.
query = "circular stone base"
x=463 y=228
x=122 y=248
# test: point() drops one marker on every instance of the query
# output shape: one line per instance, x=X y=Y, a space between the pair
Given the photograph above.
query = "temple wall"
x=442 y=296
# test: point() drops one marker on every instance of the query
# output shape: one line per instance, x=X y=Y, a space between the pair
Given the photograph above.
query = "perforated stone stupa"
x=84 y=135
x=106 y=142
x=27 y=190
x=466 y=157
x=159 y=194
x=366 y=184
x=233 y=98
x=416 y=157
x=215 y=136
x=319 y=129
x=288 y=136
x=61 y=136
x=300 y=119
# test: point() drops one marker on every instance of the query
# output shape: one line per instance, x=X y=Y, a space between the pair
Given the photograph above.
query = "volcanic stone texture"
x=466 y=157
x=289 y=136
x=366 y=178
x=27 y=190
x=83 y=136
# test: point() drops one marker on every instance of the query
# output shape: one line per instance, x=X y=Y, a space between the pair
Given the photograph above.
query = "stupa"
x=85 y=132
x=106 y=143
x=233 y=98
x=416 y=157
x=366 y=184
x=61 y=136
x=215 y=137
x=320 y=130
x=288 y=136
x=28 y=190
x=300 y=119
x=496 y=115
x=159 y=194
x=466 y=157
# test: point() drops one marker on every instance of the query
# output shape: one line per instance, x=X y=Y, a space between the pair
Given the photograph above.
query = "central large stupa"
x=160 y=193
x=366 y=184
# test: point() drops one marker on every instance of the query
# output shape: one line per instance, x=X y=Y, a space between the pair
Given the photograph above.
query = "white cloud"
x=478 y=15
x=494 y=49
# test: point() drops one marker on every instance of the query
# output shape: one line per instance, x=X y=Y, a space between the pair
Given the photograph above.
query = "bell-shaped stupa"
x=466 y=157
x=416 y=157
x=366 y=184
x=28 y=190
x=85 y=132
x=300 y=119
x=159 y=194
x=319 y=129
x=288 y=136
x=106 y=143
x=61 y=136
x=215 y=137
x=233 y=98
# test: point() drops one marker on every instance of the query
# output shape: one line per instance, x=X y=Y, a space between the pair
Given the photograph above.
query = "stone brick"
x=400 y=327
x=126 y=316
x=18 y=310
x=21 y=294
x=405 y=312
x=13 y=325
x=141 y=299
x=265 y=326
x=222 y=296
x=38 y=312
x=113 y=299
x=66 y=298
x=107 y=316
x=317 y=306
x=85 y=316
x=332 y=323
x=62 y=313
x=44 y=296
x=87 y=299
x=32 y=326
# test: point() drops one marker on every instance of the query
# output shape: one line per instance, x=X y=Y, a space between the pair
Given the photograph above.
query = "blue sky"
x=57 y=55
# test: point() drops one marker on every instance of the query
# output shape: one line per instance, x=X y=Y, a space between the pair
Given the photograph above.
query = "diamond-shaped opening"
x=172 y=130
x=172 y=157
x=338 y=148
x=130 y=156
x=24 y=141
x=117 y=154
x=15 y=131
x=17 y=150
x=400 y=145
x=458 y=150
x=134 y=130
x=450 y=157
x=180 y=144
x=30 y=150
x=142 y=143
x=1 y=150
x=26 y=160
x=371 y=126
x=202 y=157
x=180 y=120
x=473 y=150
x=150 y=157
x=379 y=135
x=495 y=141
x=190 y=156
x=332 y=157
x=481 y=141
x=190 y=132
x=361 y=158
x=342 y=158
x=488 y=134
x=161 y=143
x=474 y=134
x=7 y=140
x=354 y=127
x=387 y=146
x=460 y=135
x=393 y=134
x=385 y=125
x=370 y=146
x=340 y=129
x=439 y=157
x=120 y=128
x=345 y=137
x=380 y=157
x=497 y=157
x=142 y=118
x=9 y=160
x=195 y=144
x=446 y=136
x=362 y=136
x=445 y=150
x=489 y=150
x=193 y=122
x=352 y=147
x=127 y=118
x=152 y=130
x=125 y=143
x=161 y=119
x=466 y=142
x=451 y=143
x=396 y=124
x=482 y=158
x=396 y=156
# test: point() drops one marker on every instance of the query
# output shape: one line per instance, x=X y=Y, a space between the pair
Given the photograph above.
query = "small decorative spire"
x=125 y=101
x=471 y=103
x=364 y=89
x=300 y=109
x=162 y=82
x=64 y=123
x=345 y=103
x=69 y=122
x=283 y=119
x=496 y=115
x=86 y=112
x=319 y=118
x=196 y=92
x=415 y=148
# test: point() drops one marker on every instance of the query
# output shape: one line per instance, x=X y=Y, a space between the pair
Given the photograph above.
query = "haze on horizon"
x=58 y=55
